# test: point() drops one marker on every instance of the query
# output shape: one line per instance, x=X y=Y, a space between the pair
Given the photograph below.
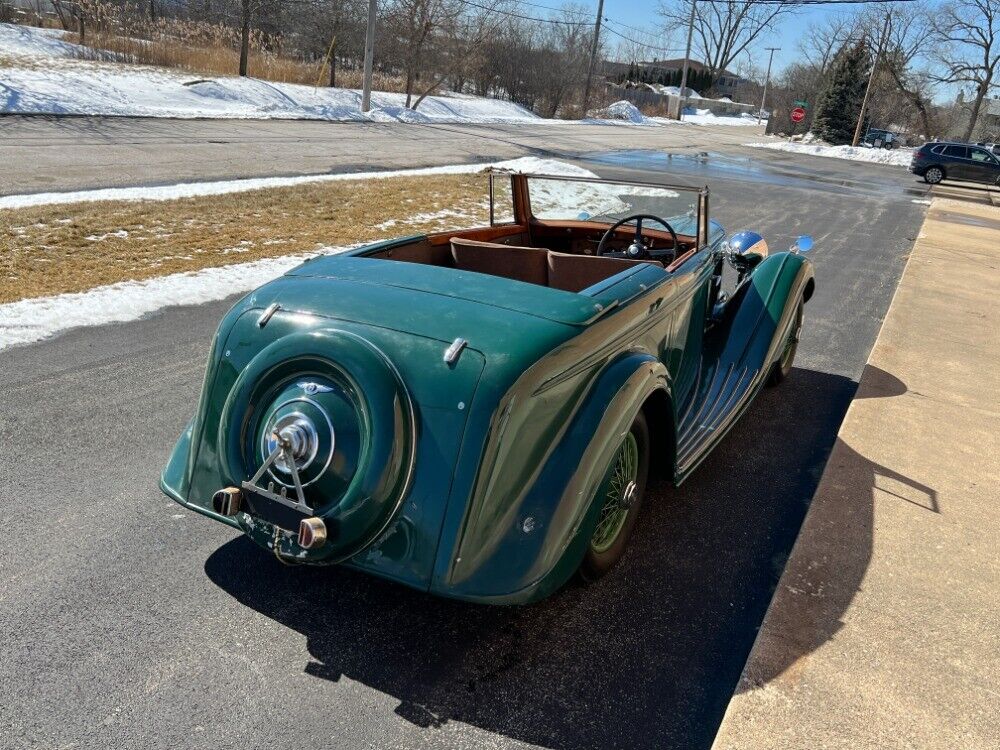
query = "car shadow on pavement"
x=830 y=572
x=647 y=657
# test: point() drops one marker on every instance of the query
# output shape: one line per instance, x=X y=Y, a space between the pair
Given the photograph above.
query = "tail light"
x=312 y=533
x=226 y=502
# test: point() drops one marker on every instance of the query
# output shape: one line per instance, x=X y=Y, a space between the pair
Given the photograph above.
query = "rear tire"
x=621 y=494
x=933 y=175
x=781 y=369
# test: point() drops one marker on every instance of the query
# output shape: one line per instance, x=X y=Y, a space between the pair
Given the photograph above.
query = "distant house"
x=726 y=84
x=991 y=113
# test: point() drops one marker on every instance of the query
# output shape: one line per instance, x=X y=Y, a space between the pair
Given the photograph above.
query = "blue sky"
x=642 y=14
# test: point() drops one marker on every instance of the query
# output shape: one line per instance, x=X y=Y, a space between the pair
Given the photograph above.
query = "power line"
x=523 y=17
x=646 y=45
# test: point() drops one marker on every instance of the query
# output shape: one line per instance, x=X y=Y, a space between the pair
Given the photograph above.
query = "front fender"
x=743 y=344
x=545 y=540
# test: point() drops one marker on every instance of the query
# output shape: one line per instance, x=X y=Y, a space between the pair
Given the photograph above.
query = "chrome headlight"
x=744 y=250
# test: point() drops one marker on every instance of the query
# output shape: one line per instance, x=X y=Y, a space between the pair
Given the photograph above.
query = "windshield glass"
x=570 y=200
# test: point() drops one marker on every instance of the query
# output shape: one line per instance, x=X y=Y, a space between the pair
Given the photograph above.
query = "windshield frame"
x=522 y=201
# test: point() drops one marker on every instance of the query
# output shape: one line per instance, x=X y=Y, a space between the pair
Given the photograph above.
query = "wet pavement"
x=703 y=167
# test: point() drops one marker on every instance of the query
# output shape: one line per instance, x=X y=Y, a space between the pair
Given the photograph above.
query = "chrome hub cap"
x=297 y=435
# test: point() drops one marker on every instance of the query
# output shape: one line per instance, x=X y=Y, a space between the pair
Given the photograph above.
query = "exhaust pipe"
x=226 y=502
x=312 y=533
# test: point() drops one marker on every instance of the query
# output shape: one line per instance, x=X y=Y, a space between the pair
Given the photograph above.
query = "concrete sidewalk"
x=884 y=631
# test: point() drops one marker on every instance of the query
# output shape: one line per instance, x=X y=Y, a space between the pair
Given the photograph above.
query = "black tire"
x=601 y=558
x=933 y=175
x=781 y=368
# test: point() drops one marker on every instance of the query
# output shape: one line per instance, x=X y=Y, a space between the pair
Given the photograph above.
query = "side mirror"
x=744 y=250
x=802 y=245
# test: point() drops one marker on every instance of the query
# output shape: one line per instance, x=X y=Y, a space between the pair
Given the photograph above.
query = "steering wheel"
x=637 y=250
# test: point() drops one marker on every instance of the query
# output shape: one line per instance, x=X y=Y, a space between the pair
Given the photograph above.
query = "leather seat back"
x=510 y=261
x=536 y=265
x=573 y=273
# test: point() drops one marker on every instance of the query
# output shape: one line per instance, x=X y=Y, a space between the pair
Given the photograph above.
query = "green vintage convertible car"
x=478 y=413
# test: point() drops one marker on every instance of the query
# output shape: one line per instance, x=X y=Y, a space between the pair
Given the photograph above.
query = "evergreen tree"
x=839 y=104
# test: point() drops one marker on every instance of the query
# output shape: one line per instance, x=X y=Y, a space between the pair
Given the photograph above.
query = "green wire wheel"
x=620 y=494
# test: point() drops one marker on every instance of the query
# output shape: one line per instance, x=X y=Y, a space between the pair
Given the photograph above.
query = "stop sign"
x=798 y=114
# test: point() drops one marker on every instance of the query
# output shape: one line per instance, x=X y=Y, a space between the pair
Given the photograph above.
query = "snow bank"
x=81 y=87
x=899 y=157
x=27 y=41
x=34 y=319
x=707 y=117
x=194 y=189
x=93 y=89
x=621 y=110
x=56 y=83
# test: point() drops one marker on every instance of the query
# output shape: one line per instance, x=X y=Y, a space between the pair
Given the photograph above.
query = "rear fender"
x=546 y=538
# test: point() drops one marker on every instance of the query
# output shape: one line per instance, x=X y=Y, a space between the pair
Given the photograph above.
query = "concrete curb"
x=883 y=631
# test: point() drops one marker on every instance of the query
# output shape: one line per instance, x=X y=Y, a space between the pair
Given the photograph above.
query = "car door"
x=957 y=164
x=983 y=166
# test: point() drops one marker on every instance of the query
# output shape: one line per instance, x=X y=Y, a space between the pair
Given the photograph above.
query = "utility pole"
x=767 y=80
x=687 y=58
x=366 y=89
x=593 y=55
x=871 y=76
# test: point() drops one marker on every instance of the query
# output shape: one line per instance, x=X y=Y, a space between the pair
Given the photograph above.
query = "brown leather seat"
x=575 y=272
x=510 y=261
x=536 y=265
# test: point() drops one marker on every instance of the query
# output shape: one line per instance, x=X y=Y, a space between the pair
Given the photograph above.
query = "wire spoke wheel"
x=619 y=497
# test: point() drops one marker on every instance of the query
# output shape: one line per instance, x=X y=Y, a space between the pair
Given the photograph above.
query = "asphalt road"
x=70 y=153
x=129 y=622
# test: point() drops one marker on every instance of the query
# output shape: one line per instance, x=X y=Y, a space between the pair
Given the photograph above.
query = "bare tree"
x=909 y=28
x=246 y=11
x=821 y=41
x=965 y=35
x=723 y=30
x=413 y=26
x=461 y=36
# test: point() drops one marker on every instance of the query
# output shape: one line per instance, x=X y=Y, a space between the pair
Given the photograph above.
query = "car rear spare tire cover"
x=356 y=421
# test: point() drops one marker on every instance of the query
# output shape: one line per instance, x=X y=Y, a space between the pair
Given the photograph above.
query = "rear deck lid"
x=528 y=299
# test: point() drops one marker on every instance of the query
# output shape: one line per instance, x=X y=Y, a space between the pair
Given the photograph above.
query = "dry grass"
x=70 y=248
x=221 y=59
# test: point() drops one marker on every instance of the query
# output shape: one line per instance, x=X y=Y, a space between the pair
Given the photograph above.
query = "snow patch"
x=27 y=41
x=707 y=117
x=621 y=110
x=899 y=157
x=195 y=189
x=34 y=319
